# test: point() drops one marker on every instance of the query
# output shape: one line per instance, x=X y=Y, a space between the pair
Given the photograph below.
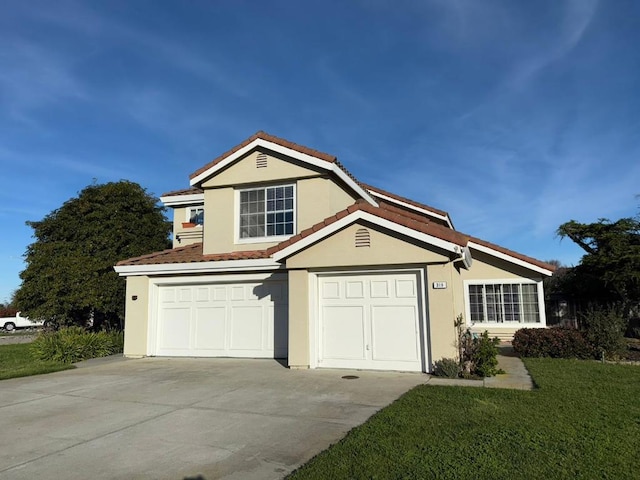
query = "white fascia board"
x=413 y=207
x=360 y=215
x=198 y=267
x=180 y=200
x=288 y=152
x=509 y=258
x=349 y=181
x=258 y=142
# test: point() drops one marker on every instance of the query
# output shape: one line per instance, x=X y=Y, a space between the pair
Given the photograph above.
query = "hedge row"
x=557 y=342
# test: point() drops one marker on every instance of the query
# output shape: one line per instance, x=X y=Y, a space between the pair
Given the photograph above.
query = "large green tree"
x=609 y=272
x=69 y=275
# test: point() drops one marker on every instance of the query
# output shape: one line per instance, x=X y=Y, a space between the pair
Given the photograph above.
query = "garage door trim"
x=156 y=283
x=315 y=306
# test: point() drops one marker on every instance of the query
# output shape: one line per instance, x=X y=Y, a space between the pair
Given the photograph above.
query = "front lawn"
x=582 y=422
x=16 y=361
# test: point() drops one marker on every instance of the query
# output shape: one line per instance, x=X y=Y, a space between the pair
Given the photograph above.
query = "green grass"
x=582 y=422
x=16 y=361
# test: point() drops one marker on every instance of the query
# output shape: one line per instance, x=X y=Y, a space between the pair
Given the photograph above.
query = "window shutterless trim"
x=266 y=238
x=505 y=324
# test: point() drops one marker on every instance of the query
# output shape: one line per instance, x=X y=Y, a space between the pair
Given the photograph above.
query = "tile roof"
x=405 y=200
x=387 y=212
x=269 y=138
x=191 y=254
x=184 y=191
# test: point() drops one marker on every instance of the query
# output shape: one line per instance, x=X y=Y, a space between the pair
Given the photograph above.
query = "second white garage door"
x=371 y=321
x=247 y=319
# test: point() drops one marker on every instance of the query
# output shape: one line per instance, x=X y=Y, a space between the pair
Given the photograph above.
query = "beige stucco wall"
x=136 y=317
x=339 y=250
x=442 y=310
x=298 y=319
x=245 y=172
x=317 y=198
x=486 y=267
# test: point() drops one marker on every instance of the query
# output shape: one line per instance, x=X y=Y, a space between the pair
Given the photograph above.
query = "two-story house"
x=279 y=252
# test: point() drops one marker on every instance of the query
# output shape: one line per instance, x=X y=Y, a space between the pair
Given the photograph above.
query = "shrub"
x=485 y=355
x=557 y=342
x=478 y=353
x=69 y=345
x=447 y=367
x=604 y=329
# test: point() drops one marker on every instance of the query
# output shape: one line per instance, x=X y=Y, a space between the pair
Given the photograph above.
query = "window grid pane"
x=280 y=211
x=266 y=212
x=508 y=302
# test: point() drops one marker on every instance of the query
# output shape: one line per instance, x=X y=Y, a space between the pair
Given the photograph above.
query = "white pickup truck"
x=11 y=323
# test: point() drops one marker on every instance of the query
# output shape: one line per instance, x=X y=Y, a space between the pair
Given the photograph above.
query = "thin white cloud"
x=578 y=15
x=32 y=76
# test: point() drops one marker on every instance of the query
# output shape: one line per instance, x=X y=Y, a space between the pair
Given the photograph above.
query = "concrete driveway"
x=160 y=418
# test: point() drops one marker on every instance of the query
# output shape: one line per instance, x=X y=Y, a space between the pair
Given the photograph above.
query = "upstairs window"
x=504 y=303
x=267 y=212
x=196 y=215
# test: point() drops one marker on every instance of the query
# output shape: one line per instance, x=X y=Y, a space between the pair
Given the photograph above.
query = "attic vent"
x=261 y=160
x=363 y=238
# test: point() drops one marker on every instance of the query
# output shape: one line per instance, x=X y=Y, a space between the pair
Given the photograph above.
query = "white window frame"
x=522 y=281
x=188 y=213
x=271 y=239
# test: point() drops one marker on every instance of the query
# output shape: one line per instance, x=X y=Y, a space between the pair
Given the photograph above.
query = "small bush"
x=604 y=329
x=72 y=344
x=485 y=355
x=558 y=342
x=447 y=367
x=478 y=354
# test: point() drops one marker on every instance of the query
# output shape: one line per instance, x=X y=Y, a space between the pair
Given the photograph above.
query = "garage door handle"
x=367 y=347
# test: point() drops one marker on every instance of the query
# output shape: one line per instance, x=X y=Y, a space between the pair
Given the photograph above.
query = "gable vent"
x=363 y=239
x=261 y=160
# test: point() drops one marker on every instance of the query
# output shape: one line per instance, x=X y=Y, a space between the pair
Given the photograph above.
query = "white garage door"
x=370 y=321
x=223 y=320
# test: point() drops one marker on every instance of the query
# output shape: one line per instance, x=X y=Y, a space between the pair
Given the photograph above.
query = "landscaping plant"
x=72 y=344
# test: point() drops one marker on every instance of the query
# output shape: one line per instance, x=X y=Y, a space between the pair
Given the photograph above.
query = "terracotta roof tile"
x=191 y=254
x=270 y=138
x=184 y=191
x=405 y=200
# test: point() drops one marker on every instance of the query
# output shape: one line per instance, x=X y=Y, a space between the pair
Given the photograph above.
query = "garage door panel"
x=246 y=326
x=241 y=319
x=370 y=321
x=394 y=335
x=210 y=328
x=344 y=332
x=405 y=288
x=175 y=327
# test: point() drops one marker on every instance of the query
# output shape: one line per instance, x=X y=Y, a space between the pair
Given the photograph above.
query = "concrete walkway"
x=516 y=377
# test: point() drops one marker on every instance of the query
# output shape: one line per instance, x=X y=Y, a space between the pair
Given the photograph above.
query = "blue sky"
x=514 y=116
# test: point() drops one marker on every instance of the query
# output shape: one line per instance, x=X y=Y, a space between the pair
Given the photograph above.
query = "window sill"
x=278 y=239
x=507 y=325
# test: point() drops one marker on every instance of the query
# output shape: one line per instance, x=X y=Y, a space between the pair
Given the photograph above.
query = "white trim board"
x=199 y=267
x=180 y=200
x=289 y=152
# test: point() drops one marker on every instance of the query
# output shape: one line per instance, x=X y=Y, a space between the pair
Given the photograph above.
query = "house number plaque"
x=439 y=285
